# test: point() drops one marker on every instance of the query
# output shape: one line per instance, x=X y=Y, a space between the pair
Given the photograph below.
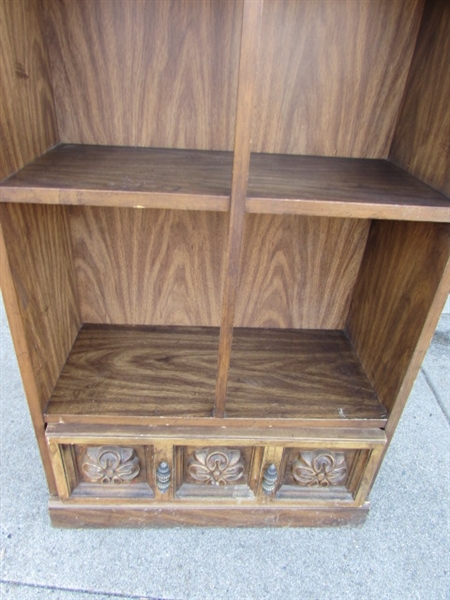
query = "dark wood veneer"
x=125 y=176
x=318 y=185
x=224 y=248
x=126 y=374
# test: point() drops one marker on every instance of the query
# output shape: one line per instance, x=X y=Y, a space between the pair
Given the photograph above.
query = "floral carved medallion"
x=216 y=466
x=319 y=468
x=110 y=464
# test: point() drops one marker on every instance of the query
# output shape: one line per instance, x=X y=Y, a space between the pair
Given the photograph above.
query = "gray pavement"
x=402 y=551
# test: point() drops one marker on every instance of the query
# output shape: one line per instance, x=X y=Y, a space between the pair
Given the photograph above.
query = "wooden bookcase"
x=225 y=247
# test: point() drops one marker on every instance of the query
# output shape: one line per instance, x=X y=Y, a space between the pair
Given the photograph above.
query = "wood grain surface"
x=128 y=374
x=137 y=371
x=148 y=267
x=334 y=74
x=40 y=258
x=298 y=374
x=298 y=272
x=70 y=514
x=23 y=353
x=124 y=176
x=145 y=73
x=400 y=276
x=251 y=26
x=27 y=113
x=422 y=136
x=168 y=436
x=341 y=187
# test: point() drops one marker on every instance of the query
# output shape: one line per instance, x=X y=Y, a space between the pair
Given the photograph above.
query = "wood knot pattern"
x=321 y=468
x=216 y=466
x=110 y=464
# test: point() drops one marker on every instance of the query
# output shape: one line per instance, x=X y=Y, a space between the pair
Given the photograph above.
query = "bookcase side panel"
x=421 y=142
x=38 y=289
x=39 y=255
x=398 y=298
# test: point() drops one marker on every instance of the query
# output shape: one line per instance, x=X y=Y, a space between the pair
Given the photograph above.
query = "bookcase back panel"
x=27 y=115
x=298 y=272
x=422 y=137
x=332 y=74
x=149 y=267
x=39 y=253
x=145 y=72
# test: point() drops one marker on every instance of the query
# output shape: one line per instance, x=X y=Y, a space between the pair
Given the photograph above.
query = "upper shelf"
x=340 y=187
x=201 y=180
x=124 y=176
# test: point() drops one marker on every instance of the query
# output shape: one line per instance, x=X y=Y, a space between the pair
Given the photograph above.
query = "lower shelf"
x=145 y=375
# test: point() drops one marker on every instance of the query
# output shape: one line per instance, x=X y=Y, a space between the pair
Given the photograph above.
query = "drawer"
x=103 y=470
x=217 y=472
x=307 y=467
x=323 y=474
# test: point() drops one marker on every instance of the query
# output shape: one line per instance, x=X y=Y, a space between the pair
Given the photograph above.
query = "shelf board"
x=201 y=180
x=124 y=176
x=134 y=372
x=340 y=187
x=123 y=375
x=308 y=374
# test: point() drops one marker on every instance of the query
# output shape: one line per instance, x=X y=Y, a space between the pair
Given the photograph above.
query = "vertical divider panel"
x=251 y=26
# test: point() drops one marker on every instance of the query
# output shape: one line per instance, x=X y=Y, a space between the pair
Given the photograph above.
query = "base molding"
x=76 y=515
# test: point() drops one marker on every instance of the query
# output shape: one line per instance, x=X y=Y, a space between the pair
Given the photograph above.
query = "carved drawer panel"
x=305 y=467
x=322 y=474
x=217 y=471
x=104 y=471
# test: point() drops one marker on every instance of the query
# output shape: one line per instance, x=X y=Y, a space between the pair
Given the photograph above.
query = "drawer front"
x=217 y=471
x=322 y=474
x=103 y=470
x=311 y=468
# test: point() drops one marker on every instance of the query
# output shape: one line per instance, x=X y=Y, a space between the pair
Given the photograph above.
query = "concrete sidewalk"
x=402 y=551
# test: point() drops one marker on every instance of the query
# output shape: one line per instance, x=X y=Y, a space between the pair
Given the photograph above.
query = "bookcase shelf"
x=124 y=176
x=135 y=375
x=340 y=187
x=201 y=180
x=224 y=245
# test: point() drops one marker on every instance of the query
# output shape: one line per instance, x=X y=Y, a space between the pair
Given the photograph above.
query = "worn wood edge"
x=314 y=437
x=23 y=358
x=128 y=199
x=64 y=514
x=347 y=209
x=170 y=421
